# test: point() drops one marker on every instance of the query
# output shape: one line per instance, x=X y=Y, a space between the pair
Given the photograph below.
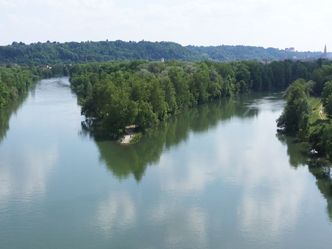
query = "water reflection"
x=221 y=177
x=237 y=157
x=297 y=151
x=30 y=151
x=118 y=211
x=217 y=177
x=324 y=183
x=23 y=169
x=183 y=225
x=7 y=112
x=126 y=160
x=24 y=178
x=299 y=156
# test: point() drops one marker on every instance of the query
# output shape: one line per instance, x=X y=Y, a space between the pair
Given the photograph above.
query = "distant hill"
x=237 y=53
x=80 y=52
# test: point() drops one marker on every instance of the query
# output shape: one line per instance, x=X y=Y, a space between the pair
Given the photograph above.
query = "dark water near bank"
x=213 y=177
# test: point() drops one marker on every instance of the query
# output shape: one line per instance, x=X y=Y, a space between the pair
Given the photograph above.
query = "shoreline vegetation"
x=114 y=95
x=308 y=113
x=14 y=82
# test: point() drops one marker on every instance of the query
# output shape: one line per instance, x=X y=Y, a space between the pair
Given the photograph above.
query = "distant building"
x=162 y=60
x=325 y=52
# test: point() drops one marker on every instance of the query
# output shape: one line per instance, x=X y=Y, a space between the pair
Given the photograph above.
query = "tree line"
x=50 y=53
x=14 y=82
x=114 y=95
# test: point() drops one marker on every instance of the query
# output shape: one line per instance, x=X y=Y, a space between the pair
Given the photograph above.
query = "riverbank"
x=14 y=82
x=320 y=131
x=304 y=117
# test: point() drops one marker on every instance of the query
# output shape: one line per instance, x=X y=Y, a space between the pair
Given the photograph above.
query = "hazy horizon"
x=263 y=23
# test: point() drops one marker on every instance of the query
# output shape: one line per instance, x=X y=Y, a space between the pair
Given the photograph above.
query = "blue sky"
x=303 y=24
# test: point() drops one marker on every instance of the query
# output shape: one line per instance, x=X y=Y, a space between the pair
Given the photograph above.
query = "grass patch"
x=317 y=110
x=314 y=104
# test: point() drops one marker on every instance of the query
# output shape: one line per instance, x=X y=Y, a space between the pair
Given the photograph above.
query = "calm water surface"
x=214 y=177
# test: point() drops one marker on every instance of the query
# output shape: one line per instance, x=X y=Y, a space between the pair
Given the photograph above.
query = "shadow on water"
x=8 y=111
x=323 y=177
x=124 y=161
x=320 y=169
x=297 y=152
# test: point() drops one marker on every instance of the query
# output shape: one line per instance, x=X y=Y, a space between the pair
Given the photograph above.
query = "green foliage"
x=320 y=76
x=116 y=94
x=295 y=118
x=241 y=53
x=51 y=53
x=80 y=52
x=14 y=82
x=305 y=117
x=316 y=109
x=327 y=97
x=136 y=138
x=7 y=111
x=14 y=85
x=328 y=105
x=321 y=130
x=321 y=138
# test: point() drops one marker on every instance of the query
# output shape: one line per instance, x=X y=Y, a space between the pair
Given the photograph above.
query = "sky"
x=303 y=24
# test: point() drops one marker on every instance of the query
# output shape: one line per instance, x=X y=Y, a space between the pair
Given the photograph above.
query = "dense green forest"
x=14 y=85
x=15 y=82
x=308 y=112
x=79 y=52
x=116 y=94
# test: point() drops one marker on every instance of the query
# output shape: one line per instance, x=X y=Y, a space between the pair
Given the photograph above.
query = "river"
x=216 y=176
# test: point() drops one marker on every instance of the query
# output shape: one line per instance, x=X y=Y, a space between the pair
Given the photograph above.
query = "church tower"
x=325 y=52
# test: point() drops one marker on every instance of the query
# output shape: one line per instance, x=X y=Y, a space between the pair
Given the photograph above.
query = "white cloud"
x=269 y=189
x=183 y=224
x=116 y=211
x=31 y=180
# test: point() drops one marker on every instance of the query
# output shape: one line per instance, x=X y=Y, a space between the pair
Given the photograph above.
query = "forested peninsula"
x=114 y=95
